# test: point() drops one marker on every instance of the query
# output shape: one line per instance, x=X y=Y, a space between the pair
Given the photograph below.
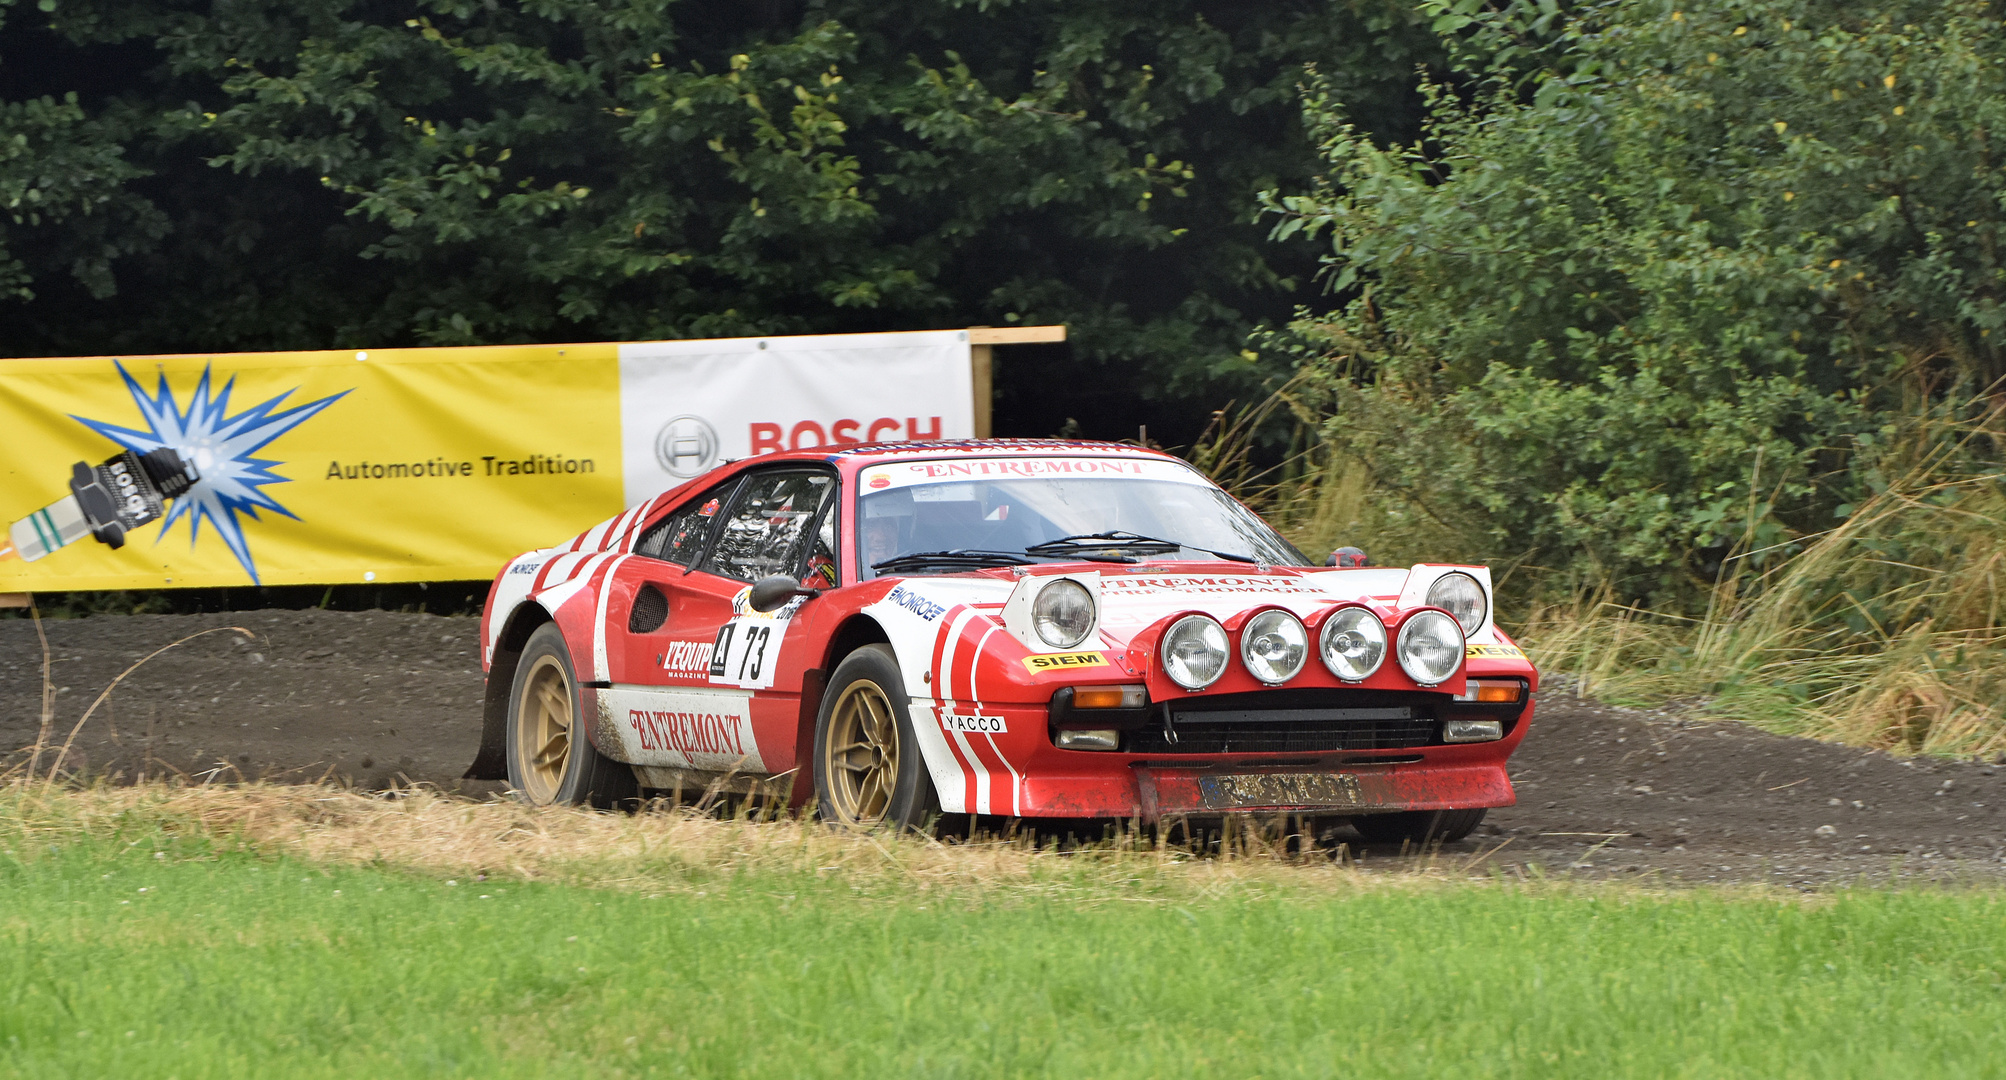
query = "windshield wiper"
x=959 y=558
x=1119 y=539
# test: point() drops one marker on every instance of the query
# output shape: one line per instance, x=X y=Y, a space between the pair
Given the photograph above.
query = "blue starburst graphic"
x=220 y=445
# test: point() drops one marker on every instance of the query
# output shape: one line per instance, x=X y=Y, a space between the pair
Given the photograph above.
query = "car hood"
x=1132 y=599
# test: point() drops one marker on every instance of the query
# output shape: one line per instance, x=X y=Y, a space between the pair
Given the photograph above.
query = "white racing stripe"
x=944 y=685
x=975 y=691
x=601 y=671
x=938 y=757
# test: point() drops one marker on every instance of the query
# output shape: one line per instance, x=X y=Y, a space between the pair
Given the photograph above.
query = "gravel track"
x=378 y=698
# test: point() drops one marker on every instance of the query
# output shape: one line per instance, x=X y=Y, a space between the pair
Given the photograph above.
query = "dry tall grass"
x=1885 y=632
x=665 y=849
x=1889 y=631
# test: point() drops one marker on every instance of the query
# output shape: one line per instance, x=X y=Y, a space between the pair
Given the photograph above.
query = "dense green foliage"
x=1660 y=283
x=338 y=173
x=209 y=962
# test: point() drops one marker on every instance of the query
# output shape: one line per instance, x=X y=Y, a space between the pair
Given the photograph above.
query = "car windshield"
x=942 y=516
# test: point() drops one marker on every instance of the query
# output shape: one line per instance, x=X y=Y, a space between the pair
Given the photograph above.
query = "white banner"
x=686 y=406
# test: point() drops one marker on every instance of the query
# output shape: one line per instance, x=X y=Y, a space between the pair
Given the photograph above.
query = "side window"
x=772 y=525
x=821 y=569
x=679 y=538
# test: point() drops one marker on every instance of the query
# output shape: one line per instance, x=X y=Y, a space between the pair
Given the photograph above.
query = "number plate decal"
x=1251 y=790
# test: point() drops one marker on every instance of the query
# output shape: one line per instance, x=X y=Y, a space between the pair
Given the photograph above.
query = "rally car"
x=1028 y=628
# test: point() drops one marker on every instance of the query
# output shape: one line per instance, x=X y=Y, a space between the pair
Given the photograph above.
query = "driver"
x=879 y=535
x=880 y=540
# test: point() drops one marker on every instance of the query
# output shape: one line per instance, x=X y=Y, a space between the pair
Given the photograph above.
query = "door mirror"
x=773 y=593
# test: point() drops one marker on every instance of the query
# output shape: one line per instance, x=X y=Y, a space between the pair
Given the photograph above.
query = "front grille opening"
x=1198 y=736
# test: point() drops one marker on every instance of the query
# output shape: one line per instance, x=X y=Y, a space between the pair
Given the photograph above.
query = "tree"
x=348 y=173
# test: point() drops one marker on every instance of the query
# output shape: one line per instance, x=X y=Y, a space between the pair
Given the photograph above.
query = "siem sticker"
x=1062 y=660
x=1496 y=652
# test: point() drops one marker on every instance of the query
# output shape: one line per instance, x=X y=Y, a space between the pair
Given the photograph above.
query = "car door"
x=693 y=652
x=663 y=621
x=778 y=523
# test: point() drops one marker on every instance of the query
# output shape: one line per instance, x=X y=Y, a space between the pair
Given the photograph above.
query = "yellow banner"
x=315 y=467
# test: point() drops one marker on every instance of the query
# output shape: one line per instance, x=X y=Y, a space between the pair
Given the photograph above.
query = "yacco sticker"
x=1061 y=660
x=911 y=601
x=1507 y=652
x=974 y=725
x=908 y=473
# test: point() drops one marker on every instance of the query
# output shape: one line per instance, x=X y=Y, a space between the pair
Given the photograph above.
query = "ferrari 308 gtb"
x=1032 y=628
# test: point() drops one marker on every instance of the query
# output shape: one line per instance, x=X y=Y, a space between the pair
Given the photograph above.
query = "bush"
x=1658 y=284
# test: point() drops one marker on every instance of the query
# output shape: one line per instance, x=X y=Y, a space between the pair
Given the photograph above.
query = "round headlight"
x=1354 y=644
x=1431 y=647
x=1460 y=595
x=1063 y=613
x=1274 y=646
x=1194 y=652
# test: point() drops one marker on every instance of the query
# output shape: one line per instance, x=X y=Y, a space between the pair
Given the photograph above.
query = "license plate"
x=1250 y=790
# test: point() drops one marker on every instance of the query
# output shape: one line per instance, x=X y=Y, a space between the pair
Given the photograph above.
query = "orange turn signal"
x=1109 y=697
x=1493 y=691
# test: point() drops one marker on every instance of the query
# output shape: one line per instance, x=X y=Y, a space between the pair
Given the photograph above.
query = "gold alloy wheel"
x=543 y=729
x=861 y=760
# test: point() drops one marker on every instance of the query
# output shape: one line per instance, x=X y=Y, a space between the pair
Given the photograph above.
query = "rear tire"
x=1418 y=826
x=551 y=761
x=868 y=769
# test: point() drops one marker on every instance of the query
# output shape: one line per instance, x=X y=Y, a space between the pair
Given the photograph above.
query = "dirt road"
x=372 y=698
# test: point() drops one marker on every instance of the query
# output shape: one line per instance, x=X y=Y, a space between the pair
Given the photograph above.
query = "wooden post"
x=982 y=359
x=982 y=341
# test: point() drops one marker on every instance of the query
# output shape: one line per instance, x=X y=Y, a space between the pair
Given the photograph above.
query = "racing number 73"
x=752 y=655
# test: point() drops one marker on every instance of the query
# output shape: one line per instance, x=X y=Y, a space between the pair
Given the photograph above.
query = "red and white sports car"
x=1026 y=628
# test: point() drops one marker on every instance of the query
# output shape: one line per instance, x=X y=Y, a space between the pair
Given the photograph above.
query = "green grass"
x=217 y=962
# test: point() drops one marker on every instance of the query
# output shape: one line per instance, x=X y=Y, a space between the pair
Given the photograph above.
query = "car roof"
x=989 y=447
x=864 y=453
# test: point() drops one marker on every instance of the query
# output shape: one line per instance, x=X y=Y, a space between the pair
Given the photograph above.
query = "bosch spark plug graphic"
x=105 y=502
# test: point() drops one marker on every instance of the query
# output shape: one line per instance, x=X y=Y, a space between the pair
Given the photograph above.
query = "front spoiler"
x=1156 y=790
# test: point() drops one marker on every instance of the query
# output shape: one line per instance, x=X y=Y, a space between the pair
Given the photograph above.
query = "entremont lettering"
x=687 y=732
x=1063 y=467
x=1224 y=584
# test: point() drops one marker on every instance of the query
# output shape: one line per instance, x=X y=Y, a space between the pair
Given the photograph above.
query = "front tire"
x=868 y=769
x=551 y=762
x=1418 y=826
